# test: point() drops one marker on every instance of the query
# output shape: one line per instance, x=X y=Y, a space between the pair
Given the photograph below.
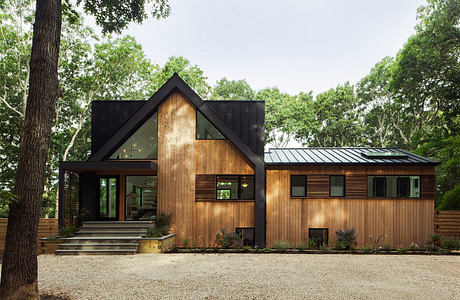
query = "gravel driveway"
x=251 y=276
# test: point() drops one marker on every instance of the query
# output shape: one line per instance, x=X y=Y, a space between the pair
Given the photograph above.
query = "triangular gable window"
x=205 y=130
x=142 y=144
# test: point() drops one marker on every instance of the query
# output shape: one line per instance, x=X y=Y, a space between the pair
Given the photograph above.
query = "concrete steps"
x=105 y=238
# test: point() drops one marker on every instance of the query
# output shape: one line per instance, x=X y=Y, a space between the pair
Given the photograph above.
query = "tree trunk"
x=19 y=270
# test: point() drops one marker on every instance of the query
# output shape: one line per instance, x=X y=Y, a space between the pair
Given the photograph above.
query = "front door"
x=108 y=198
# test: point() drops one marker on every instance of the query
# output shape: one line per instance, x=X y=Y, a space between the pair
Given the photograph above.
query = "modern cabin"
x=203 y=162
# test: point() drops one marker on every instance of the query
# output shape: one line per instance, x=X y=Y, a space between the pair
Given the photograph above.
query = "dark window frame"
x=239 y=187
x=320 y=228
x=397 y=187
x=290 y=185
x=117 y=196
x=242 y=237
x=196 y=129
x=344 y=186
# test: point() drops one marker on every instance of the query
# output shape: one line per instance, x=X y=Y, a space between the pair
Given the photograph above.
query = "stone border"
x=157 y=245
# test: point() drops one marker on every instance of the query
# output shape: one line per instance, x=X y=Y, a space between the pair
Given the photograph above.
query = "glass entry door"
x=108 y=198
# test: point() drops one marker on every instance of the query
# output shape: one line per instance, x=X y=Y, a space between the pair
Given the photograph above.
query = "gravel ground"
x=251 y=276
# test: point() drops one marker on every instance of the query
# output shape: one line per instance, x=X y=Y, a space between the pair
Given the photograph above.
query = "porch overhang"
x=87 y=166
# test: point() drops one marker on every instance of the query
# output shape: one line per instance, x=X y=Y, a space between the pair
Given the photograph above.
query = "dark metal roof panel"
x=305 y=156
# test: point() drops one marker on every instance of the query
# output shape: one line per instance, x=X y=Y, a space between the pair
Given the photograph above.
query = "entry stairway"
x=105 y=238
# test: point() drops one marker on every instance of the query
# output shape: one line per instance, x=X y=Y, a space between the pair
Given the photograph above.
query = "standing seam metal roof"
x=302 y=156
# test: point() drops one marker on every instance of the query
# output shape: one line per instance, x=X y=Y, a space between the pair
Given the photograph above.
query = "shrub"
x=301 y=246
x=450 y=243
x=324 y=248
x=451 y=199
x=346 y=238
x=247 y=249
x=433 y=243
x=266 y=250
x=340 y=246
x=154 y=232
x=312 y=244
x=67 y=231
x=281 y=245
x=185 y=243
x=401 y=250
x=414 y=247
x=386 y=247
x=367 y=249
x=228 y=240
x=163 y=223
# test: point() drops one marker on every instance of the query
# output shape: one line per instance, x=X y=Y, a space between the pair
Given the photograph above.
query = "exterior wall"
x=46 y=228
x=180 y=158
x=397 y=221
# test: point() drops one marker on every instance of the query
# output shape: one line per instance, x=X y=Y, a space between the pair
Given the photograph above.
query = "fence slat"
x=447 y=222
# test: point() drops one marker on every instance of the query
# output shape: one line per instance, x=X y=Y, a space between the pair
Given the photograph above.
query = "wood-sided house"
x=203 y=162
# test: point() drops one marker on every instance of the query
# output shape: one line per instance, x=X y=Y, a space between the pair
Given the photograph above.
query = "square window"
x=337 y=186
x=235 y=187
x=298 y=186
x=319 y=235
x=247 y=235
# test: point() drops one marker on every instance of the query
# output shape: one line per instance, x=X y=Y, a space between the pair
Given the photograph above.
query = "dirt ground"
x=250 y=276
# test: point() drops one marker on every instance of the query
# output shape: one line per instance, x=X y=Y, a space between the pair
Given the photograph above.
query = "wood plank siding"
x=397 y=221
x=185 y=164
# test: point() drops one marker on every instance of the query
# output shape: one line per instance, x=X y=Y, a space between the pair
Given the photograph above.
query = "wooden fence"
x=46 y=228
x=447 y=222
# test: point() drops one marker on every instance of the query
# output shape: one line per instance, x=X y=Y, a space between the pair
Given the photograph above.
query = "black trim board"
x=83 y=166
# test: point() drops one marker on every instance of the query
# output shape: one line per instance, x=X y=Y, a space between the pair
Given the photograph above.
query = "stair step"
x=115 y=226
x=117 y=222
x=102 y=238
x=111 y=233
x=96 y=252
x=106 y=246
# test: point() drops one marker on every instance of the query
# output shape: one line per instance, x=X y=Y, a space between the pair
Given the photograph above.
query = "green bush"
x=346 y=239
x=301 y=246
x=450 y=243
x=267 y=250
x=367 y=249
x=324 y=248
x=247 y=248
x=281 y=245
x=67 y=231
x=228 y=240
x=312 y=244
x=386 y=247
x=185 y=243
x=401 y=250
x=154 y=232
x=340 y=246
x=451 y=199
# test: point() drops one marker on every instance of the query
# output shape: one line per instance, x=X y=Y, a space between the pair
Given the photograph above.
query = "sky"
x=296 y=46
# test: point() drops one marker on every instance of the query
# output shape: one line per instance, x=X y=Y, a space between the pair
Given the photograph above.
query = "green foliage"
x=324 y=248
x=414 y=247
x=115 y=15
x=401 y=250
x=451 y=199
x=302 y=246
x=67 y=231
x=155 y=232
x=386 y=247
x=450 y=243
x=227 y=240
x=162 y=225
x=345 y=239
x=247 y=248
x=367 y=249
x=186 y=243
x=232 y=90
x=312 y=244
x=281 y=246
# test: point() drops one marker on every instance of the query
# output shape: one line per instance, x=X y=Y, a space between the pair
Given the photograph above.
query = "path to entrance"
x=251 y=276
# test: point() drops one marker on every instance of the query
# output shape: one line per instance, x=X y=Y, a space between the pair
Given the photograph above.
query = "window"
x=205 y=130
x=142 y=144
x=298 y=186
x=247 y=235
x=235 y=187
x=393 y=186
x=337 y=186
x=319 y=235
x=141 y=197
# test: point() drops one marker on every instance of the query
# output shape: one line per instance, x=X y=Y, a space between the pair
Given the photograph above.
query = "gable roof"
x=315 y=156
x=146 y=110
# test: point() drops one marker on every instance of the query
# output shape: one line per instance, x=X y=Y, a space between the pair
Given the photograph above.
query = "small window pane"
x=319 y=235
x=227 y=187
x=403 y=186
x=379 y=186
x=247 y=188
x=205 y=130
x=414 y=186
x=337 y=185
x=247 y=235
x=391 y=186
x=298 y=186
x=370 y=186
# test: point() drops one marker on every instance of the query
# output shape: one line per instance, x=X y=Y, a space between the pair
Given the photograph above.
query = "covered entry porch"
x=107 y=191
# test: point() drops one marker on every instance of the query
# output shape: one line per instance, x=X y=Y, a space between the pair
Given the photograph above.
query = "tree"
x=232 y=90
x=338 y=118
x=192 y=75
x=19 y=268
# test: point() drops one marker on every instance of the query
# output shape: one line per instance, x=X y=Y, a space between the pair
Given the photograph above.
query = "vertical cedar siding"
x=397 y=221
